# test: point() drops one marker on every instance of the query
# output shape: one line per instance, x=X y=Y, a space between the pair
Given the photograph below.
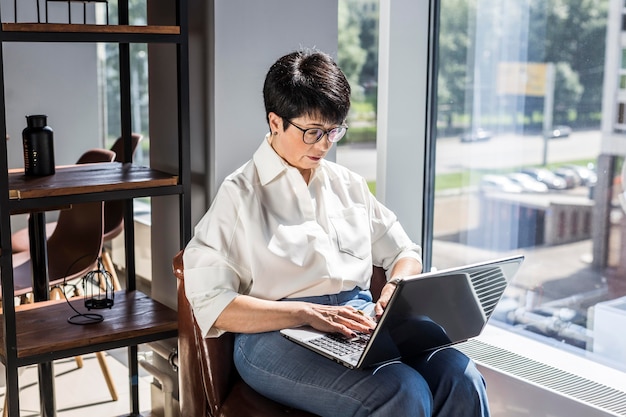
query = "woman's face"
x=288 y=143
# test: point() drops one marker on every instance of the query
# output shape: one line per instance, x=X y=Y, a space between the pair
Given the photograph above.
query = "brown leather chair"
x=209 y=385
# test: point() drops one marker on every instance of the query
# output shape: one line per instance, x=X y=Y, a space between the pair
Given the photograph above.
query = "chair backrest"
x=96 y=155
x=206 y=370
x=114 y=210
x=19 y=240
x=76 y=242
x=118 y=146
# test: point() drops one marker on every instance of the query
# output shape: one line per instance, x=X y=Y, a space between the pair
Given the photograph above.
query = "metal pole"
x=548 y=110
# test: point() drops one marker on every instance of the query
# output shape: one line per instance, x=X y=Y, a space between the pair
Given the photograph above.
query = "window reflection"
x=532 y=75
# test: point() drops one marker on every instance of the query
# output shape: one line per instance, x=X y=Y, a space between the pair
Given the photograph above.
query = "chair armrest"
x=378 y=281
x=206 y=366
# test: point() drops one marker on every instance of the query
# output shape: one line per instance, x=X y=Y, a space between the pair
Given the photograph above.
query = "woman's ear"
x=275 y=122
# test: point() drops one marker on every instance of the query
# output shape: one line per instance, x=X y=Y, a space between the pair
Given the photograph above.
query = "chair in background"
x=72 y=240
x=19 y=240
x=209 y=385
x=74 y=248
x=113 y=210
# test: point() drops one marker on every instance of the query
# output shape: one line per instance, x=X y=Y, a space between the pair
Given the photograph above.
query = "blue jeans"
x=444 y=384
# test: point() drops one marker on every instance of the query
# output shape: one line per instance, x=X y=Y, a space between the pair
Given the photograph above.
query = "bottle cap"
x=36 y=120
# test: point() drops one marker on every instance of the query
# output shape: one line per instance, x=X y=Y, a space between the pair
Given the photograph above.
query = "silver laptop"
x=426 y=312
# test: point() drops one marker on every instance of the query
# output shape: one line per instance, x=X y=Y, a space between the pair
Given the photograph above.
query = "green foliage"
x=360 y=134
x=567 y=92
x=352 y=55
x=475 y=36
x=372 y=186
x=137 y=13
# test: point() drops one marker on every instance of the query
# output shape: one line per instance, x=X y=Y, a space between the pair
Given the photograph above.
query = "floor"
x=83 y=391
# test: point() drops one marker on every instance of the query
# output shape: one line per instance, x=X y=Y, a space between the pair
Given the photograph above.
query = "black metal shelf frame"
x=7 y=205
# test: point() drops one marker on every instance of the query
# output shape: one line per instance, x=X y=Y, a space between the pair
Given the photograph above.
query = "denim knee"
x=460 y=391
x=401 y=392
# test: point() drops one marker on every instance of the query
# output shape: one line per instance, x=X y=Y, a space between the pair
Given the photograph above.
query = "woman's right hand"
x=345 y=320
x=246 y=314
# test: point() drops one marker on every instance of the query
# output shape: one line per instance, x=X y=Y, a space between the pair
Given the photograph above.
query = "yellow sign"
x=522 y=78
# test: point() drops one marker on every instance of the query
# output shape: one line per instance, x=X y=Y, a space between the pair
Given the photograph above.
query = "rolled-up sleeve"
x=390 y=241
x=209 y=290
x=212 y=280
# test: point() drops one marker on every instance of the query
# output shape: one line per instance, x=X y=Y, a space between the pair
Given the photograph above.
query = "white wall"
x=248 y=36
x=402 y=101
x=232 y=45
x=58 y=80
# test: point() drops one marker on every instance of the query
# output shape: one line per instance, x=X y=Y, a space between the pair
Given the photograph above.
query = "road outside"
x=504 y=151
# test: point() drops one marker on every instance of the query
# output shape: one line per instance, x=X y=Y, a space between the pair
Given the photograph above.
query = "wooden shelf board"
x=43 y=328
x=89 y=28
x=87 y=178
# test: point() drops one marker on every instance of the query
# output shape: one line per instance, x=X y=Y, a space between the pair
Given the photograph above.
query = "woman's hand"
x=346 y=320
x=383 y=300
x=246 y=314
x=403 y=268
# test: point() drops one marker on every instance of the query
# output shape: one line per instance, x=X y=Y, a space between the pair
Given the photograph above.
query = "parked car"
x=498 y=183
x=547 y=177
x=476 y=135
x=528 y=183
x=587 y=173
x=571 y=177
x=560 y=131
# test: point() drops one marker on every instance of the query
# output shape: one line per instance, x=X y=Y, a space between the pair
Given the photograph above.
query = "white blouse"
x=269 y=235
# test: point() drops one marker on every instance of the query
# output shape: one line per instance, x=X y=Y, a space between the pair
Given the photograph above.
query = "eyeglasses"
x=314 y=134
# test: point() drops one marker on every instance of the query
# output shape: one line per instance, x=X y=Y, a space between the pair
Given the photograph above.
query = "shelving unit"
x=39 y=333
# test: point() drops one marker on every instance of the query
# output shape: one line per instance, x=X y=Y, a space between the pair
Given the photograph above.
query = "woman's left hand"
x=383 y=300
x=403 y=268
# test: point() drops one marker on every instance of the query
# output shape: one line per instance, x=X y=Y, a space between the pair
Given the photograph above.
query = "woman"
x=290 y=240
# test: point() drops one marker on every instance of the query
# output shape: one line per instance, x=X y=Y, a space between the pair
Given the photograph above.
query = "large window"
x=528 y=155
x=520 y=167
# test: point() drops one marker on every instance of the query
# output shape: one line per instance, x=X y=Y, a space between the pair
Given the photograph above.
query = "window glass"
x=358 y=58
x=520 y=166
x=110 y=83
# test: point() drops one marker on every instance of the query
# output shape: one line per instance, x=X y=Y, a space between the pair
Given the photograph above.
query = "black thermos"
x=37 y=139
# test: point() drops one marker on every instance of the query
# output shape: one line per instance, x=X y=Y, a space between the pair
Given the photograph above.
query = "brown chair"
x=75 y=239
x=209 y=385
x=113 y=210
x=20 y=240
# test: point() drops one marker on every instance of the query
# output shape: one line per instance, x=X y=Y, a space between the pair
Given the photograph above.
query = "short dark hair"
x=307 y=83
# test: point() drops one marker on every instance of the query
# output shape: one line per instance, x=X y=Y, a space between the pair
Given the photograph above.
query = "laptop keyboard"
x=339 y=345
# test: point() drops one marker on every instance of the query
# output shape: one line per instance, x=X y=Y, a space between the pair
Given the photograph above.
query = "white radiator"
x=526 y=377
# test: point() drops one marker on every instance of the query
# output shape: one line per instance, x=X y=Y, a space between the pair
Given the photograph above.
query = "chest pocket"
x=353 y=232
x=298 y=243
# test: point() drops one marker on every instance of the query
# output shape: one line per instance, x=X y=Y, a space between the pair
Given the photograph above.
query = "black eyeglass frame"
x=326 y=133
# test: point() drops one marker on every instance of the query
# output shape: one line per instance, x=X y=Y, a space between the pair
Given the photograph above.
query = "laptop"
x=426 y=312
